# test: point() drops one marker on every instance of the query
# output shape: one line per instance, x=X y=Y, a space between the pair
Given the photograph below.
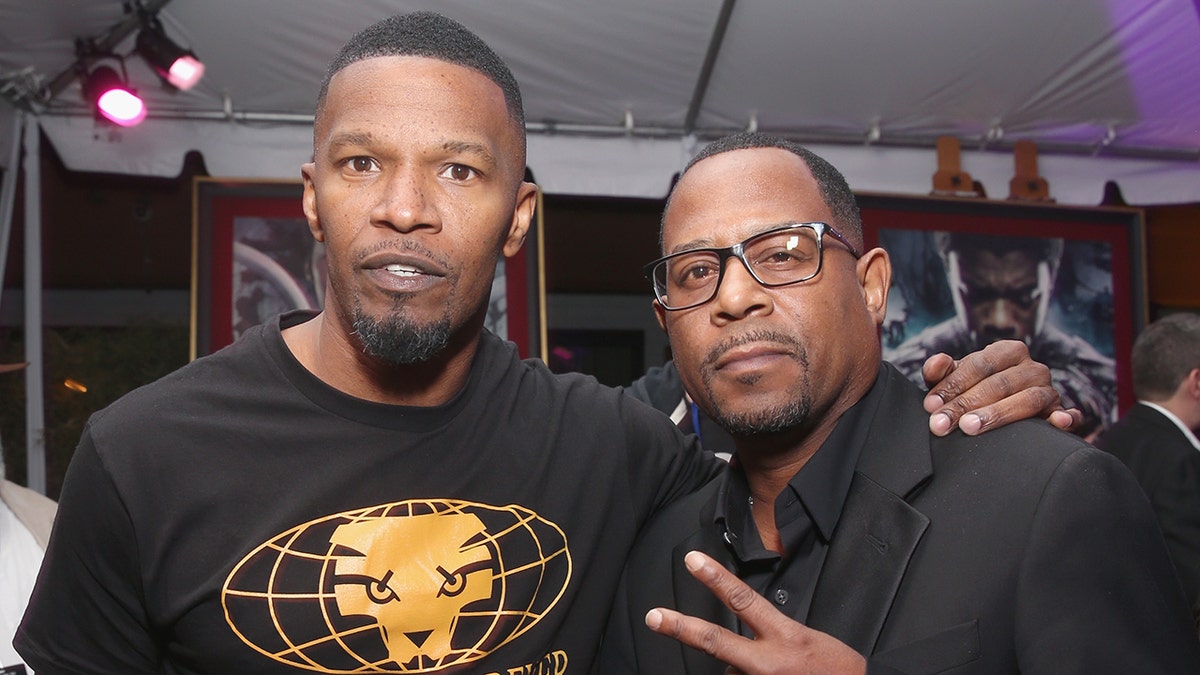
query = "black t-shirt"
x=241 y=516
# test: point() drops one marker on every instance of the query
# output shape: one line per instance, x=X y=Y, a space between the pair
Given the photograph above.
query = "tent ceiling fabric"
x=1107 y=88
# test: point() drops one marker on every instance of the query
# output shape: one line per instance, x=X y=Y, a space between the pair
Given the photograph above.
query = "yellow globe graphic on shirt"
x=408 y=587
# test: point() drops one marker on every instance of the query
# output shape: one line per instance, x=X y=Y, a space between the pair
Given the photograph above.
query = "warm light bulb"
x=75 y=385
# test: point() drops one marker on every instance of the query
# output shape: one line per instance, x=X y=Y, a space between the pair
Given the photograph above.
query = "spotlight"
x=112 y=98
x=173 y=63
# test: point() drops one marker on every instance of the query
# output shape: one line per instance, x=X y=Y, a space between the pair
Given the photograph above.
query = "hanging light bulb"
x=112 y=98
x=173 y=63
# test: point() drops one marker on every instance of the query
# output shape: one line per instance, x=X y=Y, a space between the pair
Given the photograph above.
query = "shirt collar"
x=1178 y=422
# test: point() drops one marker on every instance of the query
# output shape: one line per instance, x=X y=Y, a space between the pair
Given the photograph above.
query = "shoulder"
x=571 y=396
x=238 y=377
x=680 y=521
x=1021 y=445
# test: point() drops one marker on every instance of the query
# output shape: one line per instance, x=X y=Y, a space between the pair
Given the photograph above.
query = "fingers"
x=720 y=643
x=990 y=388
x=1067 y=420
x=753 y=609
x=696 y=633
x=936 y=368
x=781 y=645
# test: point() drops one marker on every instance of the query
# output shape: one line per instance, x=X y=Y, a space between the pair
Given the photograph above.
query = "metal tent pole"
x=8 y=190
x=8 y=194
x=35 y=418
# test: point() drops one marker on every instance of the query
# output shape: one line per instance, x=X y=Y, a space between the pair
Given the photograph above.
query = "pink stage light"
x=122 y=107
x=112 y=98
x=178 y=66
x=185 y=72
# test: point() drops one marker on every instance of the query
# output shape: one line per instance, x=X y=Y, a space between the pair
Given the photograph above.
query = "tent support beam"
x=106 y=42
x=803 y=136
x=710 y=61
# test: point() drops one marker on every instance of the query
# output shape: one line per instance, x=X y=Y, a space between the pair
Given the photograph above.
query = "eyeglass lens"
x=773 y=258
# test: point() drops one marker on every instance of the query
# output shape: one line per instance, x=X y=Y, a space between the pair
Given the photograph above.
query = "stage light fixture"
x=174 y=64
x=112 y=98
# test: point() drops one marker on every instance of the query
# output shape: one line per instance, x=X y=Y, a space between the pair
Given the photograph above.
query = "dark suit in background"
x=1021 y=550
x=1167 y=466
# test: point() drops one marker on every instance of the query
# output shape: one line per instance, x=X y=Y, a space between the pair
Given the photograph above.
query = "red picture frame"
x=253 y=255
x=1108 y=309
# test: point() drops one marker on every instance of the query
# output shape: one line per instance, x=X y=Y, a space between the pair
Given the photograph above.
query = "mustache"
x=759 y=335
x=406 y=245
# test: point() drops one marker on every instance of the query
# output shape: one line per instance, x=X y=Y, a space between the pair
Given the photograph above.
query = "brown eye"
x=459 y=172
x=361 y=164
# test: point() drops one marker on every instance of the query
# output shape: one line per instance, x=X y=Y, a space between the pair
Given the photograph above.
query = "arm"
x=990 y=388
x=86 y=613
x=781 y=646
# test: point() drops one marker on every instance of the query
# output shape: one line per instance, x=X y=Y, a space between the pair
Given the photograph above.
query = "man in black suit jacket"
x=860 y=536
x=1156 y=438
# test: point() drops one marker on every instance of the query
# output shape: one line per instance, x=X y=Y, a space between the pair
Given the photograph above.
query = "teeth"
x=403 y=270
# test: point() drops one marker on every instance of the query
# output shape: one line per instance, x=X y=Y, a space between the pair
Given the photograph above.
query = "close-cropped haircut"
x=832 y=185
x=1165 y=352
x=433 y=36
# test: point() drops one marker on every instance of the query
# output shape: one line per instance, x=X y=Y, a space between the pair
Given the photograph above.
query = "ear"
x=661 y=315
x=1192 y=384
x=875 y=277
x=527 y=194
x=309 y=202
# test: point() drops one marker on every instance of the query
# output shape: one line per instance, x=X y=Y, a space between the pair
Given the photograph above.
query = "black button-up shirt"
x=806 y=513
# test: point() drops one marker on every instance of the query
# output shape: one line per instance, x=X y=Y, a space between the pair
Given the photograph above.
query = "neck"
x=330 y=354
x=1184 y=408
x=771 y=461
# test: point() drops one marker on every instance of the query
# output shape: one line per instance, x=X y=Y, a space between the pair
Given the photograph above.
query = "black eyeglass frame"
x=738 y=251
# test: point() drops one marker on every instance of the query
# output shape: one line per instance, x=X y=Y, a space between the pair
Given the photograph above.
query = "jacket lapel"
x=876 y=535
x=878 y=531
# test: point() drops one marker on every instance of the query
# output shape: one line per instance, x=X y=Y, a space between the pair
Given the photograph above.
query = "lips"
x=750 y=357
x=752 y=350
x=399 y=271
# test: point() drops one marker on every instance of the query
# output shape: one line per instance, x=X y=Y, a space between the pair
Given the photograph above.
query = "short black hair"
x=1165 y=352
x=432 y=36
x=830 y=182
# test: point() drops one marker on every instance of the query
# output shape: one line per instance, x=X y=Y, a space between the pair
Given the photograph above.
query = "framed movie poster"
x=1068 y=281
x=254 y=257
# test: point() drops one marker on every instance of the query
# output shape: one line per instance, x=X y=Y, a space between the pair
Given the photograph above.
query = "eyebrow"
x=344 y=138
x=470 y=148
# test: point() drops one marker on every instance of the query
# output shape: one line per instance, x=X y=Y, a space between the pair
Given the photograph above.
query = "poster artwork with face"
x=956 y=292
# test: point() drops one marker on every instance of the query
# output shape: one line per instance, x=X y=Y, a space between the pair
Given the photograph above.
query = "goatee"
x=762 y=421
x=400 y=341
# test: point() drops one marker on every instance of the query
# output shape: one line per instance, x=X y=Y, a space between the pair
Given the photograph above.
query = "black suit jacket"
x=1021 y=550
x=1167 y=466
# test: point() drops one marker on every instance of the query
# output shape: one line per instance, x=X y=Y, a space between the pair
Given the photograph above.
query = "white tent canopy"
x=618 y=94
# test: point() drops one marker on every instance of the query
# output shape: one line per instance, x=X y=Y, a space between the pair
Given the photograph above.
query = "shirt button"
x=781 y=597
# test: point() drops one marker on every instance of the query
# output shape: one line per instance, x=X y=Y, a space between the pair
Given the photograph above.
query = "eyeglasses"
x=780 y=256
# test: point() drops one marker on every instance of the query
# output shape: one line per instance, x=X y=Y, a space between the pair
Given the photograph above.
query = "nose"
x=1000 y=321
x=739 y=295
x=406 y=202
